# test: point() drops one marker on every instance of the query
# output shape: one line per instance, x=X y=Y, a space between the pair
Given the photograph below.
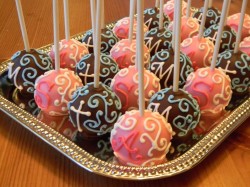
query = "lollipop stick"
x=203 y=21
x=188 y=9
x=210 y=3
x=220 y=30
x=98 y=43
x=161 y=15
x=177 y=20
x=93 y=18
x=140 y=55
x=131 y=18
x=56 y=34
x=225 y=19
x=22 y=25
x=103 y=17
x=66 y=19
x=242 y=15
x=156 y=3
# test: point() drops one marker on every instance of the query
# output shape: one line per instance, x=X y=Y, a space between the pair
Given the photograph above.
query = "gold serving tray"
x=109 y=169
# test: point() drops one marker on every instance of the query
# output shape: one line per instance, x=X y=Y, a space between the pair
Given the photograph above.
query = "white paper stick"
x=228 y=8
x=131 y=18
x=220 y=30
x=140 y=55
x=98 y=42
x=177 y=19
x=203 y=21
x=93 y=20
x=161 y=15
x=242 y=16
x=22 y=25
x=66 y=19
x=102 y=16
x=210 y=3
x=56 y=34
x=188 y=8
x=157 y=3
x=174 y=27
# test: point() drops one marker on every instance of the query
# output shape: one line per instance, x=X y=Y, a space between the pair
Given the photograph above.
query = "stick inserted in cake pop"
x=66 y=19
x=161 y=15
x=131 y=18
x=157 y=3
x=210 y=4
x=203 y=21
x=140 y=55
x=56 y=34
x=93 y=18
x=188 y=8
x=219 y=34
x=177 y=20
x=22 y=25
x=238 y=36
x=97 y=44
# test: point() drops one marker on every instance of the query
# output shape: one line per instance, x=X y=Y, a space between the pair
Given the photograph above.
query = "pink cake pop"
x=189 y=27
x=197 y=48
x=245 y=45
x=55 y=88
x=123 y=52
x=125 y=85
x=141 y=138
x=121 y=28
x=71 y=50
x=210 y=86
x=233 y=22
x=169 y=9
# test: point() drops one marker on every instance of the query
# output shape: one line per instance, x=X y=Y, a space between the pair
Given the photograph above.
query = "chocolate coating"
x=228 y=37
x=6 y=86
x=213 y=16
x=237 y=67
x=182 y=112
x=85 y=69
x=94 y=110
x=157 y=40
x=25 y=67
x=162 y=65
x=108 y=40
x=151 y=18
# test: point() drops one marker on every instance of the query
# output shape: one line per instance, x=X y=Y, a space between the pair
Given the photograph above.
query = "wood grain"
x=25 y=160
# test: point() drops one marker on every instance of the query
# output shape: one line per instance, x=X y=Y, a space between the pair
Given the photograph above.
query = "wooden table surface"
x=25 y=160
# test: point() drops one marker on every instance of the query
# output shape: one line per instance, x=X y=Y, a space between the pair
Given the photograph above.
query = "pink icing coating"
x=121 y=28
x=245 y=45
x=141 y=140
x=211 y=89
x=168 y=9
x=125 y=85
x=71 y=52
x=200 y=51
x=124 y=52
x=54 y=90
x=189 y=27
x=234 y=20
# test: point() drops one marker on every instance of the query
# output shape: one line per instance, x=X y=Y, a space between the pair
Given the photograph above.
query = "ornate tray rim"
x=92 y=164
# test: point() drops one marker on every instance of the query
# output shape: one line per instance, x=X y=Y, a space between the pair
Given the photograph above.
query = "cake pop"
x=245 y=45
x=158 y=38
x=169 y=9
x=121 y=28
x=141 y=137
x=162 y=65
x=123 y=52
x=94 y=108
x=85 y=69
x=197 y=48
x=233 y=22
x=228 y=37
